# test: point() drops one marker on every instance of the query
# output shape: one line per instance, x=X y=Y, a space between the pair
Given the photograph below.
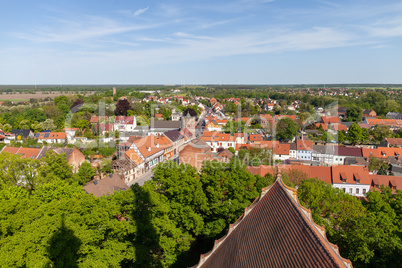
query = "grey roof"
x=293 y=146
x=323 y=149
x=396 y=169
x=342 y=109
x=58 y=150
x=162 y=124
x=394 y=115
x=347 y=124
x=199 y=143
x=21 y=132
x=173 y=135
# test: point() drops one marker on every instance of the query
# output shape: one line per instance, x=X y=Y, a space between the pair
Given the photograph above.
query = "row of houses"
x=140 y=154
x=74 y=156
x=354 y=180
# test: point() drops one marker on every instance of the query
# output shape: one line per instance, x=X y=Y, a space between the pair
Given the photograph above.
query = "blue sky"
x=199 y=42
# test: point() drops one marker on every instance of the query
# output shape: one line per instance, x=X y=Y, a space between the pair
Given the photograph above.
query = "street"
x=142 y=179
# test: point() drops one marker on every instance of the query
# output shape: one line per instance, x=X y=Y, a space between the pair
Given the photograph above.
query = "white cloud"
x=140 y=11
x=80 y=29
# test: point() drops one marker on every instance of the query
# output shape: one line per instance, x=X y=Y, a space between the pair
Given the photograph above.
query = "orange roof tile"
x=351 y=174
x=305 y=145
x=133 y=156
x=330 y=119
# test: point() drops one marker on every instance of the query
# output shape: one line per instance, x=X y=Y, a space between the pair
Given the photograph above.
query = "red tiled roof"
x=51 y=135
x=305 y=145
x=282 y=149
x=330 y=119
x=339 y=127
x=133 y=156
x=106 y=127
x=382 y=152
x=387 y=181
x=395 y=122
x=262 y=170
x=219 y=137
x=27 y=153
x=351 y=174
x=275 y=232
x=255 y=137
x=324 y=127
x=394 y=141
x=96 y=119
x=151 y=145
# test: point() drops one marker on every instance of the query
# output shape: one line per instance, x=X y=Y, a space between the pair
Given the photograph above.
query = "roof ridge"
x=317 y=232
x=292 y=192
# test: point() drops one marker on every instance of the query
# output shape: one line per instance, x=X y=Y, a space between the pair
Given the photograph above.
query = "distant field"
x=38 y=95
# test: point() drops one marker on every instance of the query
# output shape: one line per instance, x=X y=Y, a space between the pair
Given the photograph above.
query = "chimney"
x=157 y=145
x=149 y=149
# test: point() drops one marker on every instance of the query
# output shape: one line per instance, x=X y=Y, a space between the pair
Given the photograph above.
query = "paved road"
x=142 y=179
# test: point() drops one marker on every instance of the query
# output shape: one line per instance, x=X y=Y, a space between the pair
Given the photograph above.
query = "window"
x=344 y=190
x=350 y=190
x=364 y=191
x=357 y=190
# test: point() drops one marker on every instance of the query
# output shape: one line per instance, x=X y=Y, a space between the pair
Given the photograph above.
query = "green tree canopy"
x=286 y=129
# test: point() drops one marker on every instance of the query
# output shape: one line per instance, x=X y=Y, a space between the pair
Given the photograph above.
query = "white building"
x=125 y=123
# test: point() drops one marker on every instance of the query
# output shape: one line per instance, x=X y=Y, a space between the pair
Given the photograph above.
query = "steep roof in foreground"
x=275 y=231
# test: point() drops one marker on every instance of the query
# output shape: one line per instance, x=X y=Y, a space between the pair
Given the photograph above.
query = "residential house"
x=150 y=151
x=378 y=181
x=220 y=140
x=131 y=165
x=393 y=115
x=74 y=156
x=105 y=186
x=187 y=134
x=281 y=151
x=70 y=132
x=293 y=151
x=106 y=128
x=159 y=127
x=51 y=137
x=342 y=112
x=198 y=151
x=167 y=145
x=354 y=180
x=255 y=138
x=240 y=139
x=125 y=123
x=392 y=142
x=265 y=120
x=98 y=119
x=25 y=153
x=330 y=120
x=304 y=150
x=369 y=113
x=21 y=134
x=343 y=152
x=177 y=140
x=323 y=154
x=214 y=126
x=394 y=124
x=175 y=115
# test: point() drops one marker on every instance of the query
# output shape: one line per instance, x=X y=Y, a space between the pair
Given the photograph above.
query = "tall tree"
x=354 y=133
x=122 y=107
x=380 y=132
x=354 y=114
x=286 y=129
